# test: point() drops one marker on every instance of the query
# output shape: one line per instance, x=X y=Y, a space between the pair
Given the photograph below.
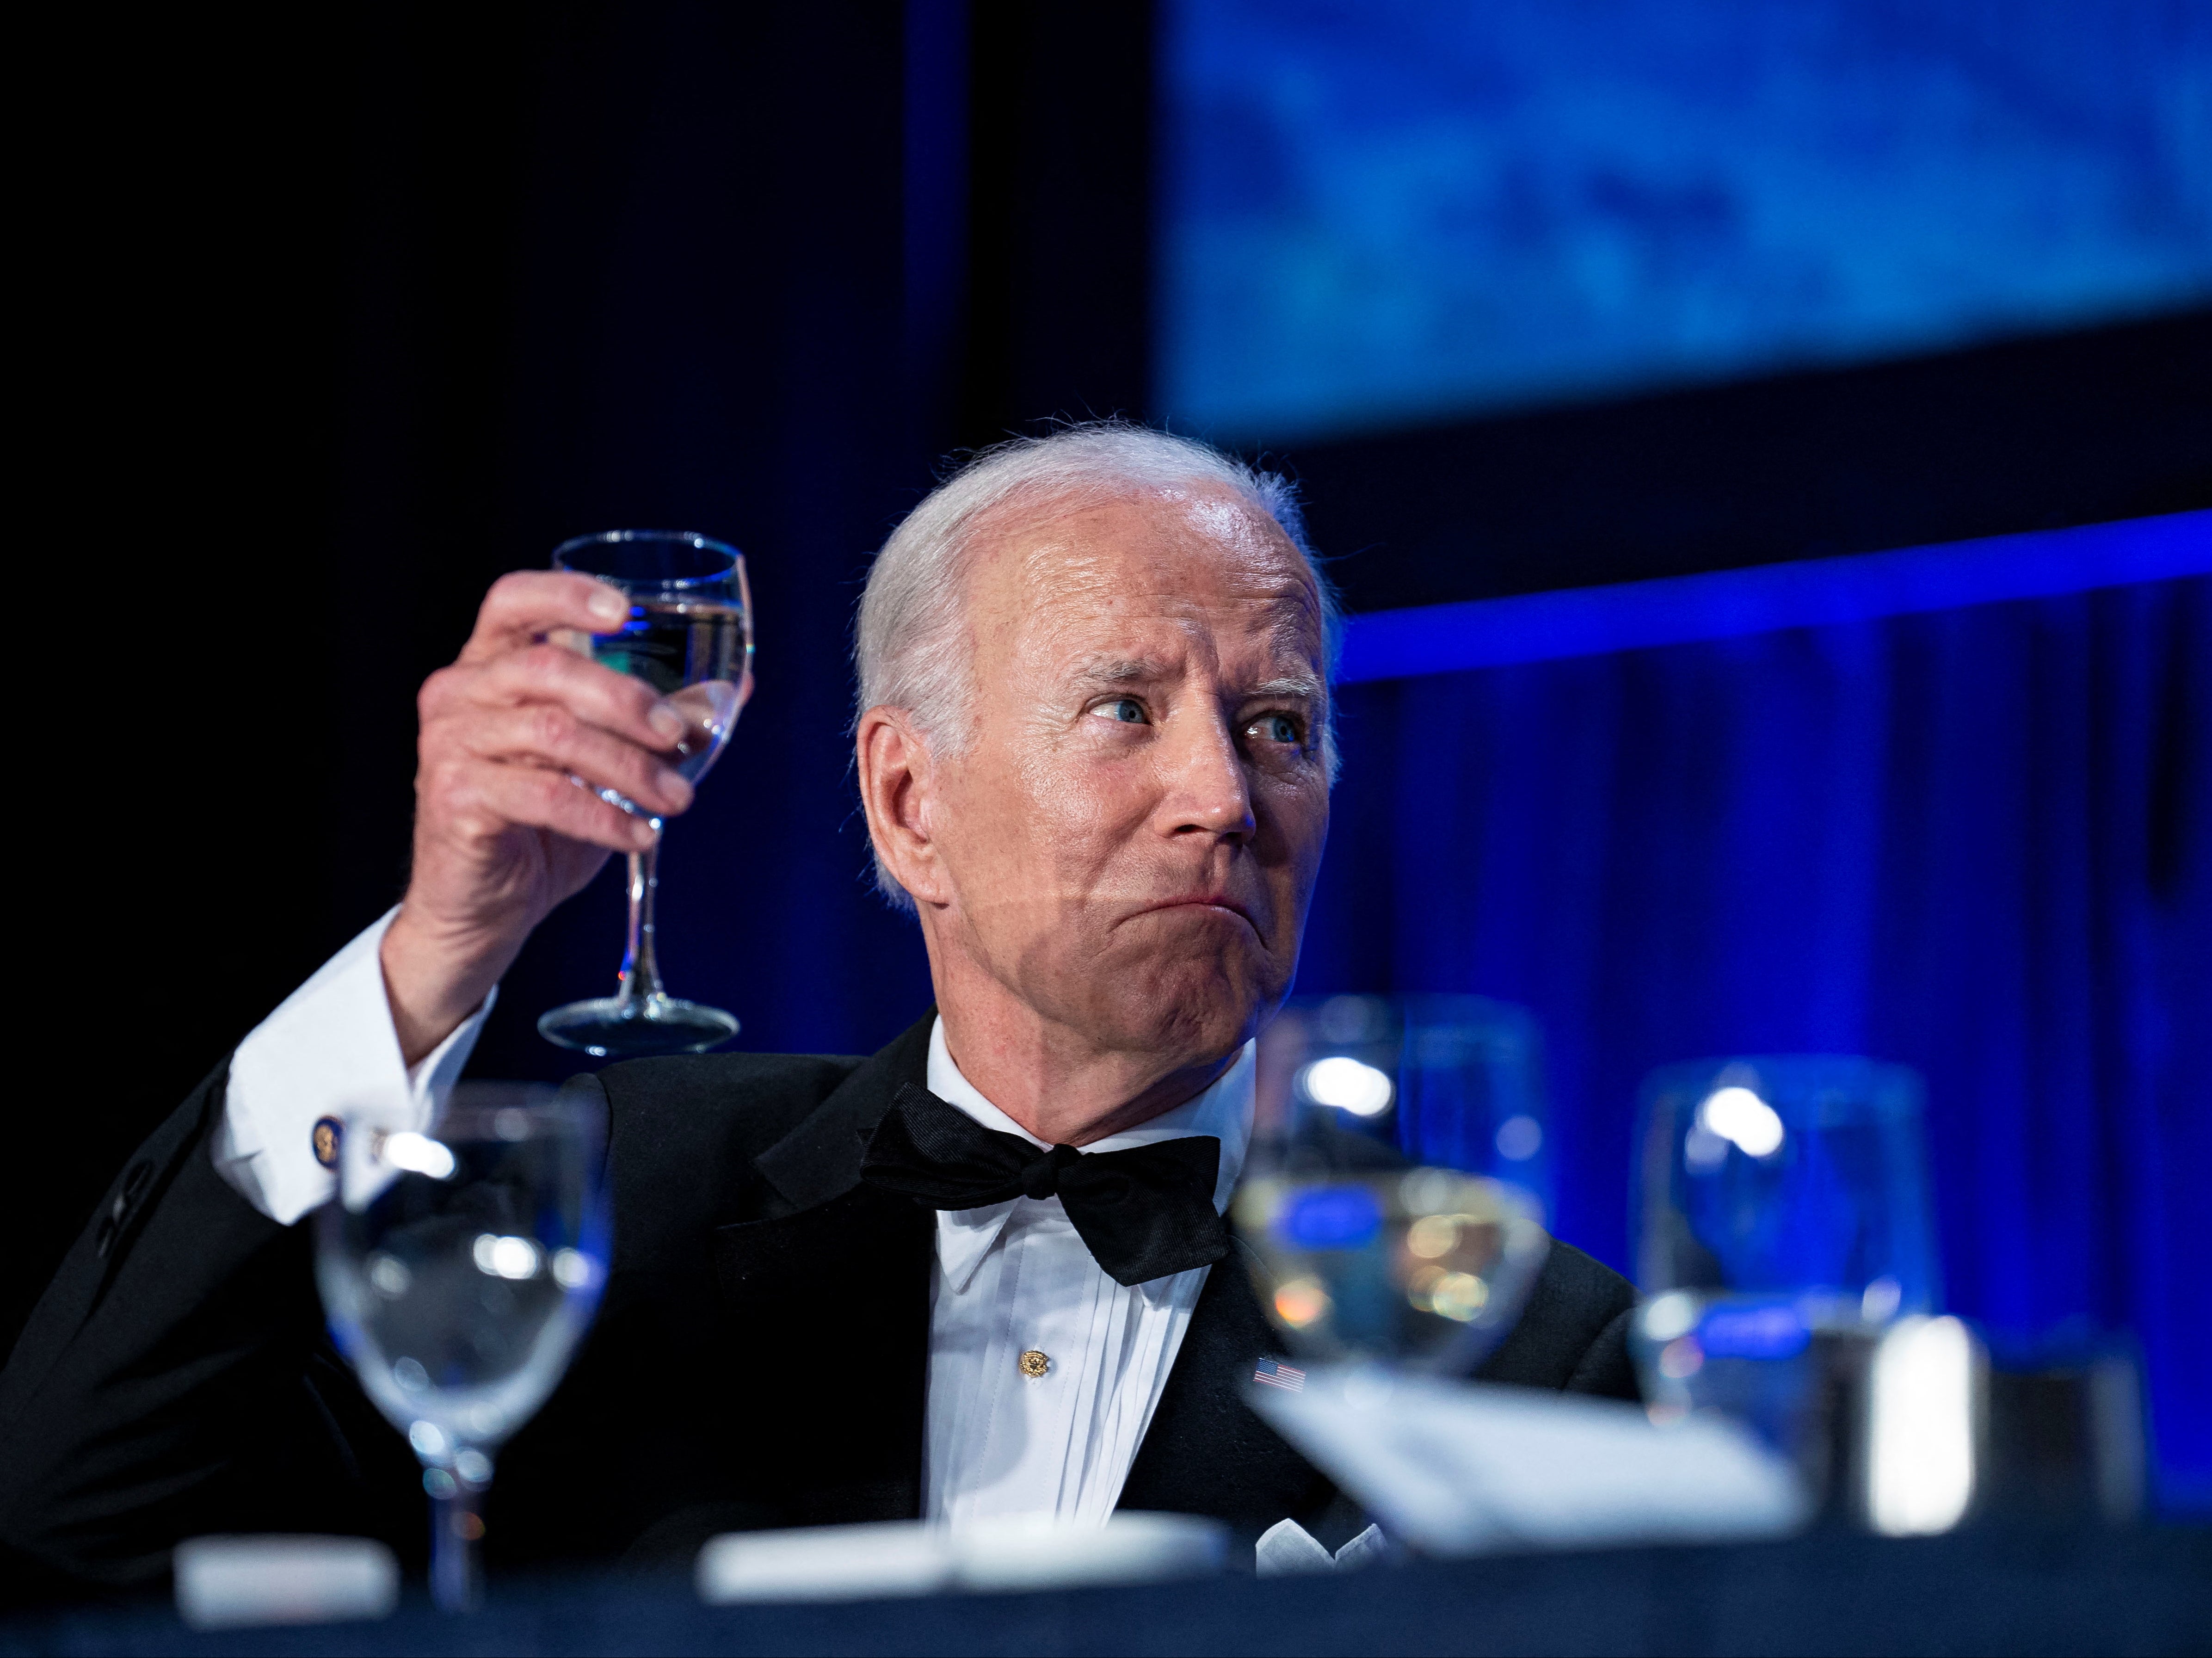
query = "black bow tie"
x=1144 y=1213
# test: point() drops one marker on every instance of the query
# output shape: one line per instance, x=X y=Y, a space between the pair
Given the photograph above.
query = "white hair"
x=910 y=646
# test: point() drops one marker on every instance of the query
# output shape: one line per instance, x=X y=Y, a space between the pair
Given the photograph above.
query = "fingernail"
x=675 y=789
x=666 y=722
x=609 y=605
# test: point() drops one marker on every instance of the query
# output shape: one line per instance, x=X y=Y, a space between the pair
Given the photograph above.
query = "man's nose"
x=1207 y=792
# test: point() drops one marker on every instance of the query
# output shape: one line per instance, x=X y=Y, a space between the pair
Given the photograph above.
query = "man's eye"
x=1275 y=728
x=1126 y=709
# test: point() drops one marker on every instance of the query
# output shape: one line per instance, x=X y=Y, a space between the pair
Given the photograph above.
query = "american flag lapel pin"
x=1273 y=1373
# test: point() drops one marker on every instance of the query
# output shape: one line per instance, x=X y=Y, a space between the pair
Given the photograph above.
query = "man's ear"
x=897 y=779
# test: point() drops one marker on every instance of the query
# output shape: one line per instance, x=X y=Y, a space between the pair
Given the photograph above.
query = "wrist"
x=435 y=978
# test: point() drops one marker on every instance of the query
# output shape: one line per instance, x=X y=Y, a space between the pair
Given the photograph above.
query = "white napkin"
x=232 y=1583
x=898 y=1557
x=1466 y=1468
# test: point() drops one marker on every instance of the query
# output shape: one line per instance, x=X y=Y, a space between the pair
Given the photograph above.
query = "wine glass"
x=1378 y=1228
x=1782 y=1225
x=459 y=1268
x=689 y=637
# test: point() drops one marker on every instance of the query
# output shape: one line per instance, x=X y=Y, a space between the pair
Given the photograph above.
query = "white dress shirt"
x=1016 y=1277
x=330 y=1049
x=1012 y=1279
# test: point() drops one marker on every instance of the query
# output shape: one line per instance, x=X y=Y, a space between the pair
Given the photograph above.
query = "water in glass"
x=1379 y=1227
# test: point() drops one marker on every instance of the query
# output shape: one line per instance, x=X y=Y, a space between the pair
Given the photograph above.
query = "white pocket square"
x=1286 y=1546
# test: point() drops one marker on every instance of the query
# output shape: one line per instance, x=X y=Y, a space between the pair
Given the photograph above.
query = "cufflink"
x=1035 y=1363
x=325 y=1141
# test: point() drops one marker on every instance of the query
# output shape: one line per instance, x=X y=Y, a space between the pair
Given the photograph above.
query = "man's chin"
x=1191 y=1006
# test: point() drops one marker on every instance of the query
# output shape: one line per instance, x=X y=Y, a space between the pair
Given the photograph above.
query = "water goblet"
x=459 y=1268
x=688 y=636
x=1782 y=1226
x=1376 y=1223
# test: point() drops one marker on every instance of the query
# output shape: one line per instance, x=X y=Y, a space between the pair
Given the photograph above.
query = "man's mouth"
x=1219 y=902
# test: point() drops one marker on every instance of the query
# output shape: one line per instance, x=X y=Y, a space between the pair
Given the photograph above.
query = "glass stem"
x=640 y=967
x=456 y=1523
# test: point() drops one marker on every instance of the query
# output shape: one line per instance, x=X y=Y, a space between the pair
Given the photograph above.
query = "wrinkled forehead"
x=1198 y=556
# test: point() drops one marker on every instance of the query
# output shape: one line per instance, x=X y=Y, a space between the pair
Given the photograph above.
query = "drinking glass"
x=459 y=1268
x=1781 y=1225
x=1378 y=1225
x=689 y=637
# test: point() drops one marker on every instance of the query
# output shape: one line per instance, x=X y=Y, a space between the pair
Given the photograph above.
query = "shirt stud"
x=325 y=1141
x=1035 y=1363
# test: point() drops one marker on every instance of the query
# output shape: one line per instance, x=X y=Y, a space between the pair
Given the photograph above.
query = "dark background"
x=333 y=320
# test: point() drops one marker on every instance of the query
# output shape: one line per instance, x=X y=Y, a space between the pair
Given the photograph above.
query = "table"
x=2148 y=1591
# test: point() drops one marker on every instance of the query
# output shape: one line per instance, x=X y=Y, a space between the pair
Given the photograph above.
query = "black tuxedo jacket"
x=759 y=1359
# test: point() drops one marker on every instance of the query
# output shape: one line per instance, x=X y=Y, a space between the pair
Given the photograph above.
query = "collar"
x=964 y=1236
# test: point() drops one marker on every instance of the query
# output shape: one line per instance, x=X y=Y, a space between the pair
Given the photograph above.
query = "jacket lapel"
x=820 y=1159
x=1205 y=1451
x=826 y=1298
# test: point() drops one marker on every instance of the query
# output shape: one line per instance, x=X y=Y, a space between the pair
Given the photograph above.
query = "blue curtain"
x=1977 y=841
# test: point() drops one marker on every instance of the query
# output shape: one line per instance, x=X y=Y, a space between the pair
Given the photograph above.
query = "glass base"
x=616 y=1027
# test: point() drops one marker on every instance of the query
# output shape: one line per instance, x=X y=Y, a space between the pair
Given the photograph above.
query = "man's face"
x=1130 y=840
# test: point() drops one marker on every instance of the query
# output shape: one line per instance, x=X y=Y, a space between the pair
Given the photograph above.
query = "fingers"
x=519 y=733
x=548 y=735
x=482 y=800
x=614 y=703
x=525 y=605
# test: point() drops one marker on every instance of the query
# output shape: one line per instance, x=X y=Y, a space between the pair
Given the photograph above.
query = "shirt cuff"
x=330 y=1050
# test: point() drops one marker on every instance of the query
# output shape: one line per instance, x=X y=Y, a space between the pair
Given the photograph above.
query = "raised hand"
x=503 y=830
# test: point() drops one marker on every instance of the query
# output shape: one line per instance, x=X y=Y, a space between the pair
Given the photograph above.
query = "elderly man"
x=1094 y=748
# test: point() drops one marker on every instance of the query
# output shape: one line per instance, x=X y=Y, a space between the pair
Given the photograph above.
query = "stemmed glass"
x=1378 y=1230
x=689 y=637
x=459 y=1268
x=1782 y=1224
